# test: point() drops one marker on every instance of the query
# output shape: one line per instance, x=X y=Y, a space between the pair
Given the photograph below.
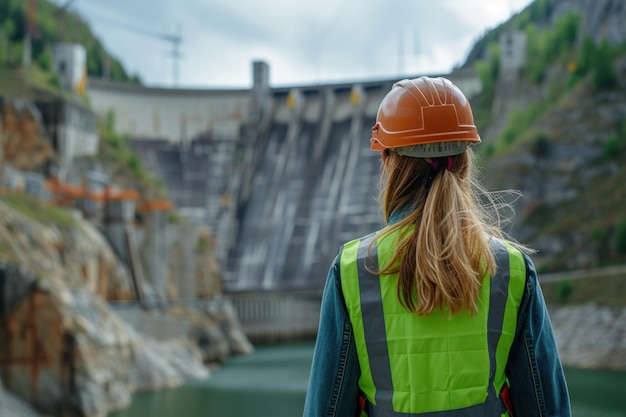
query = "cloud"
x=303 y=41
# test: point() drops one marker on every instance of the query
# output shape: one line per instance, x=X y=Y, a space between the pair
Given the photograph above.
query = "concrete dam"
x=282 y=176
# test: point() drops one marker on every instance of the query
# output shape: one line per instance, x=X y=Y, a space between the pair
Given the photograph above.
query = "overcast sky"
x=303 y=41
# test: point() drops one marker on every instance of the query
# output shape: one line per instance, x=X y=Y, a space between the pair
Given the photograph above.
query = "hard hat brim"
x=426 y=150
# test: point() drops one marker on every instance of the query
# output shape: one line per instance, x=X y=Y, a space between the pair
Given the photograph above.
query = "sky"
x=303 y=41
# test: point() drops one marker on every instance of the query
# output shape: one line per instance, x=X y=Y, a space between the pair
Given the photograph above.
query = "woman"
x=436 y=314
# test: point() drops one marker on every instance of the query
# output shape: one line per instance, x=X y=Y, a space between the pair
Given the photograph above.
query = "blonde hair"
x=442 y=254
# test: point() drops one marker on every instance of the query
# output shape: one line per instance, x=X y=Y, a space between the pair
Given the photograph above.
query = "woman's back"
x=436 y=312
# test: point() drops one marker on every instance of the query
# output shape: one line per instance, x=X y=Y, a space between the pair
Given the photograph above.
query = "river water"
x=272 y=383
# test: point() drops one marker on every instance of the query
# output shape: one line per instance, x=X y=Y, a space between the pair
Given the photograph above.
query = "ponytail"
x=442 y=254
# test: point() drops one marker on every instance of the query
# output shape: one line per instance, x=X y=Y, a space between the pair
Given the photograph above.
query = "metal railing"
x=270 y=317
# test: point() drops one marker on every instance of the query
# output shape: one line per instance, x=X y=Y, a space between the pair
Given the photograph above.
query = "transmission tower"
x=175 y=40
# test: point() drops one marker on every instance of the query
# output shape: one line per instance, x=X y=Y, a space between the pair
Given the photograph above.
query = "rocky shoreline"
x=66 y=351
x=591 y=336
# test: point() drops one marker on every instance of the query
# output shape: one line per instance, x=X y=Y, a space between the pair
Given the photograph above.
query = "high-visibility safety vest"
x=432 y=365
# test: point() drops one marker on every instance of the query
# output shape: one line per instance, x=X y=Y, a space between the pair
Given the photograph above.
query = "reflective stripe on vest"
x=365 y=295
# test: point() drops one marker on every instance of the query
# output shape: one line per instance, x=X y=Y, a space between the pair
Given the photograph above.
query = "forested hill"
x=50 y=23
x=556 y=129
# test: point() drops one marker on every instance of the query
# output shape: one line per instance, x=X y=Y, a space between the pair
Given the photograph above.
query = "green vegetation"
x=620 y=237
x=549 y=46
x=115 y=147
x=554 y=47
x=538 y=11
x=544 y=49
x=38 y=211
x=597 y=60
x=520 y=120
x=202 y=245
x=612 y=146
x=603 y=290
x=487 y=70
x=174 y=218
x=541 y=147
x=52 y=26
x=564 y=290
x=33 y=83
x=616 y=143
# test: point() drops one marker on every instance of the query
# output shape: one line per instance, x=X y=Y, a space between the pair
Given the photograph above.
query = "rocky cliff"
x=24 y=143
x=571 y=185
x=559 y=137
x=63 y=348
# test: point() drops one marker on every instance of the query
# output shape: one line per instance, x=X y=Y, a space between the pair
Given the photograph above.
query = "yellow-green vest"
x=430 y=365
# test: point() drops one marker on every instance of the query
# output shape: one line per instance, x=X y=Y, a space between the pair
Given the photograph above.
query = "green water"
x=272 y=383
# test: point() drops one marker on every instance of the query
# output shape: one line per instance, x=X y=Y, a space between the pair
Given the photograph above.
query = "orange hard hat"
x=424 y=117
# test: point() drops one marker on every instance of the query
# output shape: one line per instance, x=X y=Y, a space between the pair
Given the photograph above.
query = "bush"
x=133 y=163
x=540 y=10
x=488 y=150
x=519 y=121
x=612 y=146
x=202 y=245
x=546 y=47
x=620 y=237
x=115 y=141
x=585 y=55
x=564 y=290
x=541 y=146
x=603 y=74
x=598 y=61
x=42 y=212
x=537 y=44
x=621 y=130
x=598 y=235
x=487 y=71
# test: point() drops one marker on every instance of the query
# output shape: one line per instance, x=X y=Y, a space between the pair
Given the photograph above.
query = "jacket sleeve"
x=333 y=389
x=537 y=383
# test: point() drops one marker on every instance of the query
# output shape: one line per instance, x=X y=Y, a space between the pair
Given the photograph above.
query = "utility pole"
x=175 y=39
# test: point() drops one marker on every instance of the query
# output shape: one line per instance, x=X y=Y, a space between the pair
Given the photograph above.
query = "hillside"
x=560 y=138
x=50 y=24
x=556 y=131
x=574 y=185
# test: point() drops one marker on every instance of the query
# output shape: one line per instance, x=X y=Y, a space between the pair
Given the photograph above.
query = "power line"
x=157 y=35
x=175 y=39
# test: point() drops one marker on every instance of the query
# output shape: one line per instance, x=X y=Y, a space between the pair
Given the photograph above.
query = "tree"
x=620 y=237
x=603 y=74
x=13 y=28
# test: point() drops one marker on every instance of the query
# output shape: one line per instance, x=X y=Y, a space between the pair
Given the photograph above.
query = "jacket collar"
x=401 y=213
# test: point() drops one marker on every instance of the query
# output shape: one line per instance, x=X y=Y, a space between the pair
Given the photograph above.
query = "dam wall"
x=281 y=176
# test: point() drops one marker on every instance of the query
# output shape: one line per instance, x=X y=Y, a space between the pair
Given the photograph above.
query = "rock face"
x=591 y=336
x=602 y=19
x=24 y=144
x=565 y=173
x=63 y=349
